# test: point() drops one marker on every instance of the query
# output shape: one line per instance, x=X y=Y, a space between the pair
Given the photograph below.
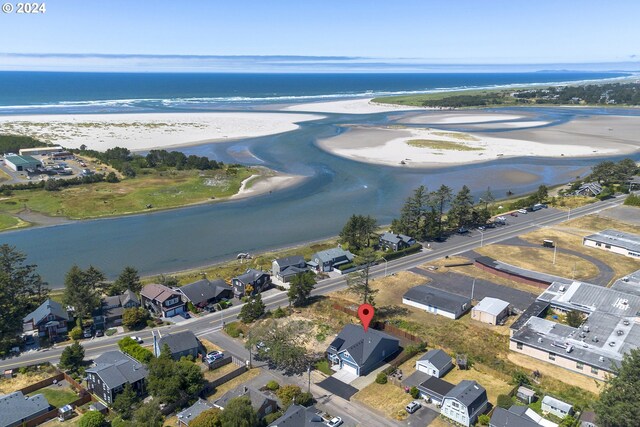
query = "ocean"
x=113 y=92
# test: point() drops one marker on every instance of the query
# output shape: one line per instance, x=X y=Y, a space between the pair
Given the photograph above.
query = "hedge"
x=403 y=252
x=135 y=350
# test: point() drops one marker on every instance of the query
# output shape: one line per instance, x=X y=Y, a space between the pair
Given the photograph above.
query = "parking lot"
x=59 y=169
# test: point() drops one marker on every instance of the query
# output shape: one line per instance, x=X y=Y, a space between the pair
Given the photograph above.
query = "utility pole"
x=309 y=383
x=473 y=287
x=555 y=249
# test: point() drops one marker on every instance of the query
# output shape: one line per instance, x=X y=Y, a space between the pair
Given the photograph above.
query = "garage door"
x=350 y=368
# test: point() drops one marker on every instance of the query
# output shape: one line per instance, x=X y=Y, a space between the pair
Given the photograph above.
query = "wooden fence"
x=44 y=383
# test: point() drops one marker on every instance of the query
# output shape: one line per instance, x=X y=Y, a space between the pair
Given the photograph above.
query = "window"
x=579 y=365
x=552 y=356
x=607 y=246
x=519 y=346
x=598 y=244
x=455 y=405
x=594 y=370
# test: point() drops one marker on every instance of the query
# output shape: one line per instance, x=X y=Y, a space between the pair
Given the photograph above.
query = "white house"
x=615 y=241
x=435 y=363
x=465 y=402
x=556 y=407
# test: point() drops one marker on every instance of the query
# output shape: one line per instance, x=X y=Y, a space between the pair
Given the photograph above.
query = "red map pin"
x=365 y=313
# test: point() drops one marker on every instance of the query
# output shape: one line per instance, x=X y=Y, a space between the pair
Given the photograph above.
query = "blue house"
x=361 y=352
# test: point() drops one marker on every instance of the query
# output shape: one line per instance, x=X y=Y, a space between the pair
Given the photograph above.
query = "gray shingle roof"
x=511 y=418
x=15 y=407
x=179 y=342
x=299 y=416
x=435 y=386
x=194 y=410
x=204 y=290
x=469 y=393
x=290 y=260
x=358 y=343
x=437 y=358
x=256 y=397
x=332 y=254
x=436 y=297
x=116 y=369
x=250 y=276
x=396 y=238
x=46 y=308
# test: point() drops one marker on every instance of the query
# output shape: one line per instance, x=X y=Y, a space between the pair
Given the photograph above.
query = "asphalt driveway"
x=338 y=388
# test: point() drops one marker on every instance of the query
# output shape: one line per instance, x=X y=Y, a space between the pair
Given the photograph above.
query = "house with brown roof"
x=161 y=300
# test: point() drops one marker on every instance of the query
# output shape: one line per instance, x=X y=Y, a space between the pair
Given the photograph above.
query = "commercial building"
x=21 y=163
x=39 y=151
x=615 y=241
x=436 y=301
x=490 y=310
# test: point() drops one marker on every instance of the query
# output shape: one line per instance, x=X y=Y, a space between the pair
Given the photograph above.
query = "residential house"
x=436 y=301
x=181 y=344
x=205 y=292
x=49 y=319
x=284 y=269
x=161 y=300
x=329 y=259
x=112 y=308
x=589 y=189
x=299 y=416
x=434 y=362
x=588 y=419
x=17 y=409
x=556 y=407
x=260 y=402
x=252 y=282
x=395 y=242
x=517 y=416
x=112 y=371
x=434 y=389
x=361 y=352
x=192 y=412
x=465 y=402
x=615 y=241
x=490 y=310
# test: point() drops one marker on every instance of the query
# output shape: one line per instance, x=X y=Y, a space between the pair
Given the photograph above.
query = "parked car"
x=413 y=407
x=513 y=214
x=334 y=422
x=213 y=356
x=185 y=315
x=462 y=230
x=99 y=333
x=481 y=228
x=88 y=333
x=522 y=211
x=137 y=339
x=501 y=218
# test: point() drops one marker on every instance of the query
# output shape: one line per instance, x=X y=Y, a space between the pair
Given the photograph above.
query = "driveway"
x=422 y=417
x=345 y=376
x=462 y=285
x=337 y=387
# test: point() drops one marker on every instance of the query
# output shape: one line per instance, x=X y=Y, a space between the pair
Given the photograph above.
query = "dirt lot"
x=211 y=375
x=390 y=288
x=20 y=381
x=388 y=399
x=230 y=385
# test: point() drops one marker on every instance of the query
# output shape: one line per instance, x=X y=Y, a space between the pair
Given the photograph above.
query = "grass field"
x=160 y=190
x=441 y=145
x=541 y=259
x=20 y=381
x=494 y=384
x=418 y=100
x=387 y=399
x=230 y=385
x=211 y=375
x=57 y=396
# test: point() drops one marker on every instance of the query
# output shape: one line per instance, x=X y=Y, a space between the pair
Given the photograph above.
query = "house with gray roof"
x=361 y=352
x=205 y=292
x=181 y=344
x=192 y=412
x=556 y=407
x=589 y=189
x=327 y=260
x=515 y=416
x=433 y=389
x=256 y=280
x=16 y=409
x=49 y=319
x=615 y=241
x=112 y=308
x=465 y=402
x=112 y=371
x=437 y=301
x=299 y=416
x=260 y=402
x=162 y=300
x=284 y=269
x=395 y=241
x=434 y=362
x=490 y=310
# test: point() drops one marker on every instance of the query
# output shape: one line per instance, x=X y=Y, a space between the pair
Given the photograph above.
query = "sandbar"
x=350 y=106
x=261 y=184
x=150 y=130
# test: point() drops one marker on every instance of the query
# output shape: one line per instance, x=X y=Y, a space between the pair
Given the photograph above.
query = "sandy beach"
x=429 y=147
x=152 y=130
x=261 y=184
x=351 y=106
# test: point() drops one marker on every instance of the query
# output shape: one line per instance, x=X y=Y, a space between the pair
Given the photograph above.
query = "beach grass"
x=455 y=135
x=154 y=191
x=418 y=100
x=436 y=144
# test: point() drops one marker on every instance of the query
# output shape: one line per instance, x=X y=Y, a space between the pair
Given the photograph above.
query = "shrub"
x=135 y=350
x=520 y=378
x=304 y=399
x=484 y=419
x=233 y=329
x=76 y=333
x=273 y=385
x=381 y=378
x=504 y=401
x=413 y=349
x=268 y=419
x=414 y=392
x=323 y=366
x=110 y=331
x=92 y=419
x=288 y=394
x=279 y=313
x=632 y=200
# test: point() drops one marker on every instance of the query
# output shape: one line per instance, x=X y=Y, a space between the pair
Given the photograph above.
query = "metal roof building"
x=437 y=301
x=615 y=241
x=490 y=310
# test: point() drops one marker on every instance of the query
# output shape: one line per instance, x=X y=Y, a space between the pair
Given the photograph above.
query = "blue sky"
x=366 y=34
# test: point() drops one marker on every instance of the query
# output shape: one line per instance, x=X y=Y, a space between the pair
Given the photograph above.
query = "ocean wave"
x=152 y=103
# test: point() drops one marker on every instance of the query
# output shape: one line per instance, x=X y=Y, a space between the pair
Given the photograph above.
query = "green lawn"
x=160 y=190
x=57 y=396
